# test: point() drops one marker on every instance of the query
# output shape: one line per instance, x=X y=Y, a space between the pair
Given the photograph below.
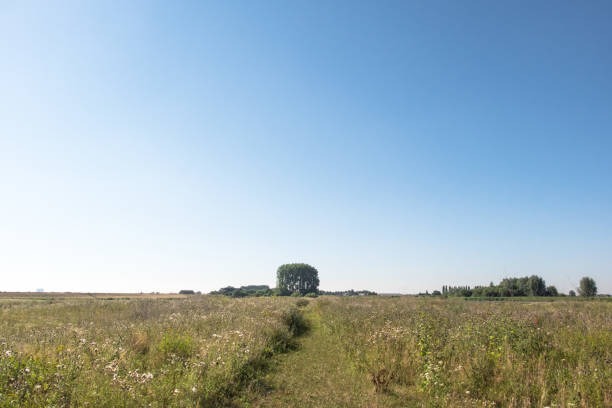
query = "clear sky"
x=396 y=146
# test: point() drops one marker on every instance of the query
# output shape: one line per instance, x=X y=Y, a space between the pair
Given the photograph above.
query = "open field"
x=431 y=352
x=187 y=351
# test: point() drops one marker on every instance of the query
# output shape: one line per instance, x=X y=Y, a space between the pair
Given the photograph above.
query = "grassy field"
x=431 y=352
x=200 y=351
x=142 y=351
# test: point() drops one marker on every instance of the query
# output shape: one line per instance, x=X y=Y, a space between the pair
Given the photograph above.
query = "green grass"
x=454 y=353
x=315 y=374
x=197 y=351
x=208 y=351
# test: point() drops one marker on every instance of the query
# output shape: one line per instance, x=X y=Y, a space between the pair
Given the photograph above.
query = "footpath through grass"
x=212 y=351
x=316 y=374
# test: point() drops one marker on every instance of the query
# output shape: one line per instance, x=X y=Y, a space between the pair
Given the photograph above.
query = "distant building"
x=40 y=290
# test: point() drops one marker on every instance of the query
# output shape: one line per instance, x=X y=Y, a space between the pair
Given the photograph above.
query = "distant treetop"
x=587 y=287
x=297 y=277
x=526 y=286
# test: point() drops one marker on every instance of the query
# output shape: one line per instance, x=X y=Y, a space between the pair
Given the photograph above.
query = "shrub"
x=176 y=344
x=302 y=303
x=244 y=291
x=295 y=321
x=240 y=293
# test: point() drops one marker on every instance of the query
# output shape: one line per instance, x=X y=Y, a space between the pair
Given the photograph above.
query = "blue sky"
x=395 y=146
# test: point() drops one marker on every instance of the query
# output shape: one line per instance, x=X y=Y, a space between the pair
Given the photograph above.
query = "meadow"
x=131 y=352
x=442 y=352
x=207 y=351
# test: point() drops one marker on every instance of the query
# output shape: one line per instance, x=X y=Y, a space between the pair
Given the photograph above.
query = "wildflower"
x=176 y=391
x=8 y=353
x=194 y=389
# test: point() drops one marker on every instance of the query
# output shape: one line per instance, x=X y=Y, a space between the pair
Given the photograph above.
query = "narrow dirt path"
x=318 y=374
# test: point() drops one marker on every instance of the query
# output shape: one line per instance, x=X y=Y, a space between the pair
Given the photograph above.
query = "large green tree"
x=536 y=286
x=297 y=277
x=587 y=287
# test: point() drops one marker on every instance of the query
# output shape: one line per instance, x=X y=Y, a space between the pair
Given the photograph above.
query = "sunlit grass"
x=457 y=353
x=141 y=352
x=208 y=351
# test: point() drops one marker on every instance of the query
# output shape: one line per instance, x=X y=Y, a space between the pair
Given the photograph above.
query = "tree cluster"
x=297 y=279
x=188 y=292
x=509 y=287
x=244 y=291
x=587 y=287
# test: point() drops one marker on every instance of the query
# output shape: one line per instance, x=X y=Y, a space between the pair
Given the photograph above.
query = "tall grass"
x=140 y=352
x=206 y=351
x=456 y=353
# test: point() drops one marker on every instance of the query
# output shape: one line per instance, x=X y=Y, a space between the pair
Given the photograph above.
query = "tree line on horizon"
x=296 y=279
x=300 y=279
x=532 y=286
